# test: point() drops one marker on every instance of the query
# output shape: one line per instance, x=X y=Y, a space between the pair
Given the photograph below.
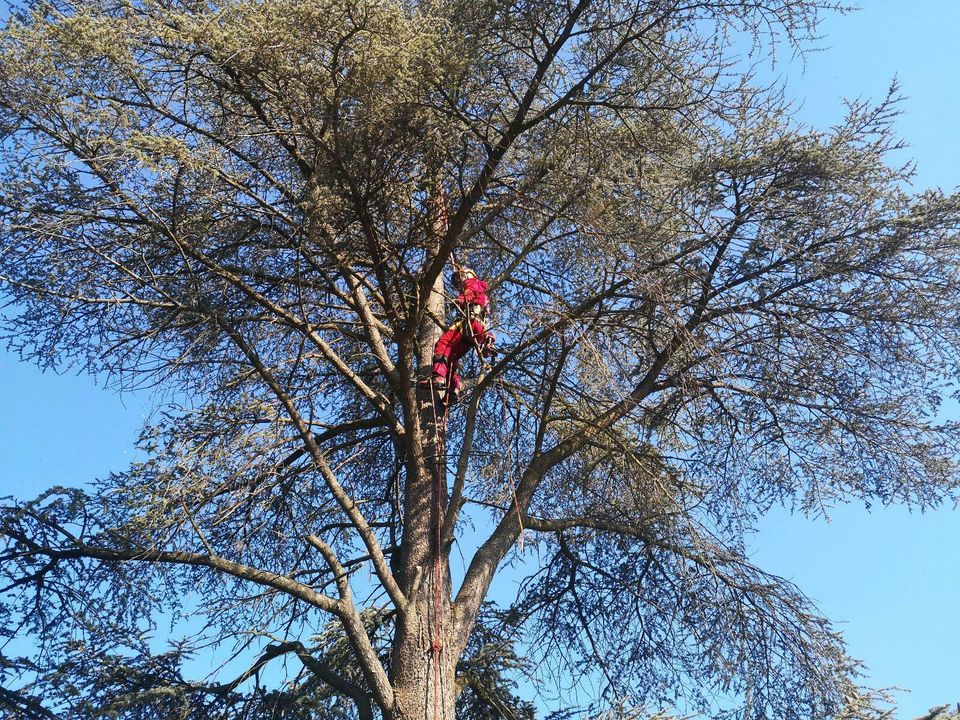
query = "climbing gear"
x=473 y=310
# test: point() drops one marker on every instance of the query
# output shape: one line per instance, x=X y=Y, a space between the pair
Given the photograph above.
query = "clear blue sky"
x=890 y=578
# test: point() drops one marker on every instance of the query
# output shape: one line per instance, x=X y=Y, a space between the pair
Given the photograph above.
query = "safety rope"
x=440 y=455
x=441 y=226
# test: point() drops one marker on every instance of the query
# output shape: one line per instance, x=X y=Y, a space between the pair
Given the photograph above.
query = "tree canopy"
x=704 y=309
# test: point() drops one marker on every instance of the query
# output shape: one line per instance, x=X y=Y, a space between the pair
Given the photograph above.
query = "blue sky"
x=889 y=577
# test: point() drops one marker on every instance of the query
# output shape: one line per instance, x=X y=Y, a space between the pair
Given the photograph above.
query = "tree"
x=941 y=712
x=704 y=309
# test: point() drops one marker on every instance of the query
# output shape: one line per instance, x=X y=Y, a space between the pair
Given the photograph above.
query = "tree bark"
x=424 y=658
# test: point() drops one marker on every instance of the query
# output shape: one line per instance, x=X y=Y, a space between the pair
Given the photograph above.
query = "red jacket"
x=473 y=292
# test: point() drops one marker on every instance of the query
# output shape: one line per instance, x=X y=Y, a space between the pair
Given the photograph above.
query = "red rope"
x=436 y=646
x=441 y=224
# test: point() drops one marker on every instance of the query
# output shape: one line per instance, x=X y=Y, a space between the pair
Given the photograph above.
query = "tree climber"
x=468 y=331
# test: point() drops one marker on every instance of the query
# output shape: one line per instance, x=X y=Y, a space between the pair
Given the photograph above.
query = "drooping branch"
x=346 y=503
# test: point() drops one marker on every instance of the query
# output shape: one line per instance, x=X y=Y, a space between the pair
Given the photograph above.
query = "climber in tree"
x=468 y=331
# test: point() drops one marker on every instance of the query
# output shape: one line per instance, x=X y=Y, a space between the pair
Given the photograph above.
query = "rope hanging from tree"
x=440 y=227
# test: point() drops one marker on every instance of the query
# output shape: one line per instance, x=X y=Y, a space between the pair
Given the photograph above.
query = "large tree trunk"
x=424 y=654
x=424 y=658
